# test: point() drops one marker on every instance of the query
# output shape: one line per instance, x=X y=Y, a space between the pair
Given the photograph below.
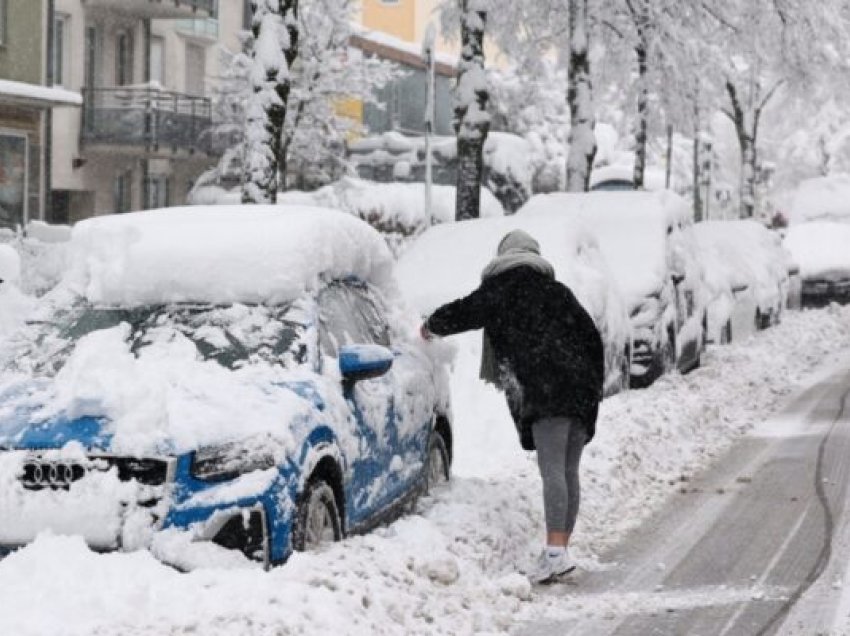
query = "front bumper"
x=112 y=502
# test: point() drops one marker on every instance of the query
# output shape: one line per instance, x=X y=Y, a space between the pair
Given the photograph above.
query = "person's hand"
x=425 y=332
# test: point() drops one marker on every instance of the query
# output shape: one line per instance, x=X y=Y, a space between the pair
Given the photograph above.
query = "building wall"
x=21 y=57
x=396 y=17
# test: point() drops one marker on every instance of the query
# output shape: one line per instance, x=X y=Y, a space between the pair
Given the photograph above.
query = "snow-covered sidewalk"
x=454 y=567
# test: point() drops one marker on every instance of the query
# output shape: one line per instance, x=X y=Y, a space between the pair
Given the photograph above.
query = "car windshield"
x=232 y=335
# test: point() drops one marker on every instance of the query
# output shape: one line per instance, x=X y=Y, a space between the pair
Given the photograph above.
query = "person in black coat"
x=544 y=350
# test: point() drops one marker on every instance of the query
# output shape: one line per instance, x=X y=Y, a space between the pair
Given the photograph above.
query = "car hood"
x=28 y=423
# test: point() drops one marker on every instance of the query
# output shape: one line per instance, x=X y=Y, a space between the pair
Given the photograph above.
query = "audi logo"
x=38 y=475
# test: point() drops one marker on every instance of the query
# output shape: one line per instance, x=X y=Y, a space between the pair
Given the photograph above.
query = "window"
x=247 y=15
x=91 y=57
x=196 y=69
x=157 y=60
x=122 y=191
x=156 y=191
x=60 y=36
x=3 y=21
x=349 y=315
x=124 y=59
x=14 y=160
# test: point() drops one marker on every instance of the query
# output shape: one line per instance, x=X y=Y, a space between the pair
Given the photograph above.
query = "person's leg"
x=551 y=437
x=575 y=445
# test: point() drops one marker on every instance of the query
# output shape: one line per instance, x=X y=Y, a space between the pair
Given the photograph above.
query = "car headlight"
x=228 y=461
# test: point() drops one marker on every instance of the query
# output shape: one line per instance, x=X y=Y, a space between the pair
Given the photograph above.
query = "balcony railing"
x=157 y=120
x=158 y=8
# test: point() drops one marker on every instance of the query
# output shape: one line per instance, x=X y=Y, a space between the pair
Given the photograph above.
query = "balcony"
x=154 y=9
x=146 y=120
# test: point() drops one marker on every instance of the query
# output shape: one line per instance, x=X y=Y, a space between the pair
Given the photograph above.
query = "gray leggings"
x=559 y=442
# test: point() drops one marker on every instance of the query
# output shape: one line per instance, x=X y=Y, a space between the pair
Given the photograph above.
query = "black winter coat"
x=547 y=348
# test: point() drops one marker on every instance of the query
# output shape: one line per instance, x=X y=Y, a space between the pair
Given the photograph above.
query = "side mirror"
x=742 y=287
x=364 y=361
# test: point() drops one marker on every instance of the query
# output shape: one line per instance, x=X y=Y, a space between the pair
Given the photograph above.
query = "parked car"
x=748 y=273
x=239 y=376
x=446 y=261
x=647 y=241
x=822 y=250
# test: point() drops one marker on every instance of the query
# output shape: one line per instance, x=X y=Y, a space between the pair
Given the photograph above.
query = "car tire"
x=317 y=518
x=437 y=468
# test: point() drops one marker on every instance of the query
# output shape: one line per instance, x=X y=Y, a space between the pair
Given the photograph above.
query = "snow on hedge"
x=822 y=199
x=221 y=254
x=820 y=248
x=632 y=230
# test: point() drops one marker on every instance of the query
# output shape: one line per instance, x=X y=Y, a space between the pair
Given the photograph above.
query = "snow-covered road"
x=456 y=567
x=743 y=544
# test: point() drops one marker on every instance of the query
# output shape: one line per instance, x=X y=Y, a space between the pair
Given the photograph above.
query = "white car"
x=822 y=249
x=646 y=239
x=747 y=273
x=446 y=261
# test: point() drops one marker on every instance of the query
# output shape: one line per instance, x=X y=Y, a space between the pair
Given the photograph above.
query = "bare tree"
x=580 y=100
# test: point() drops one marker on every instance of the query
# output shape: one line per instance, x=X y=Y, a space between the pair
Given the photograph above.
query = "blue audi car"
x=260 y=389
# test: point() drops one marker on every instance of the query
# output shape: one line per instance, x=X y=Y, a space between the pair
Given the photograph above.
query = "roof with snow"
x=24 y=94
x=222 y=254
x=631 y=227
x=397 y=50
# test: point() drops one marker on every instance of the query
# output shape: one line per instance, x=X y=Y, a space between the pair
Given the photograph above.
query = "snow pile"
x=397 y=210
x=43 y=254
x=632 y=230
x=453 y=568
x=221 y=254
x=821 y=249
x=822 y=199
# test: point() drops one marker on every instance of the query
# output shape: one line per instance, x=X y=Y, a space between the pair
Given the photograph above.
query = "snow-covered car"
x=822 y=250
x=647 y=241
x=446 y=262
x=747 y=273
x=245 y=377
x=821 y=199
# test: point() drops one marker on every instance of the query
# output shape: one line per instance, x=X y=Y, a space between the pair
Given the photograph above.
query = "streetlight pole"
x=428 y=57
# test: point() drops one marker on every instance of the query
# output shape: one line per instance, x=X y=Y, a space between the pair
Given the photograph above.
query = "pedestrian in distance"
x=544 y=351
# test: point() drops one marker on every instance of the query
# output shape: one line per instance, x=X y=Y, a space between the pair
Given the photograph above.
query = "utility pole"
x=428 y=57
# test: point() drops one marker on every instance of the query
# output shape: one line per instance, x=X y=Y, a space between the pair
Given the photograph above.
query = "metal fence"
x=146 y=117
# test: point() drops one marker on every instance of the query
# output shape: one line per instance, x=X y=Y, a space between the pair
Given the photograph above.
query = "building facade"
x=26 y=105
x=144 y=70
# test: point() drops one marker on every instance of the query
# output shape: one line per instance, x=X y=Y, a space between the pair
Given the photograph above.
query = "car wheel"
x=317 y=520
x=437 y=470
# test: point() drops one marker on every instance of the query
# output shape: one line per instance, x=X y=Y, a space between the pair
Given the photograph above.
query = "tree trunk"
x=643 y=111
x=582 y=140
x=273 y=26
x=471 y=121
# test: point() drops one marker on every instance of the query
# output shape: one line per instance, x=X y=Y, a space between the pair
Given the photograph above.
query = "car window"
x=350 y=314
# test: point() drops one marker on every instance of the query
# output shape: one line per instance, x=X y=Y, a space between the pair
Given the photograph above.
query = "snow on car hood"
x=164 y=399
x=225 y=254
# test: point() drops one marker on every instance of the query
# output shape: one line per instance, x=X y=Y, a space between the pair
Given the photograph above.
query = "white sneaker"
x=552 y=566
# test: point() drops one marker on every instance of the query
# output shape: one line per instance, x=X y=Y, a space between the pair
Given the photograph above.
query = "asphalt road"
x=759 y=544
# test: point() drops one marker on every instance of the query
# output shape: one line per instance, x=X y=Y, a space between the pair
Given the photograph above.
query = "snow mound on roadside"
x=238 y=254
x=820 y=248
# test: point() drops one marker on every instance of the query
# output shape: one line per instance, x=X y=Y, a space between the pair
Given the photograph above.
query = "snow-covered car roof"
x=631 y=228
x=446 y=261
x=222 y=254
x=742 y=252
x=820 y=248
x=822 y=199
